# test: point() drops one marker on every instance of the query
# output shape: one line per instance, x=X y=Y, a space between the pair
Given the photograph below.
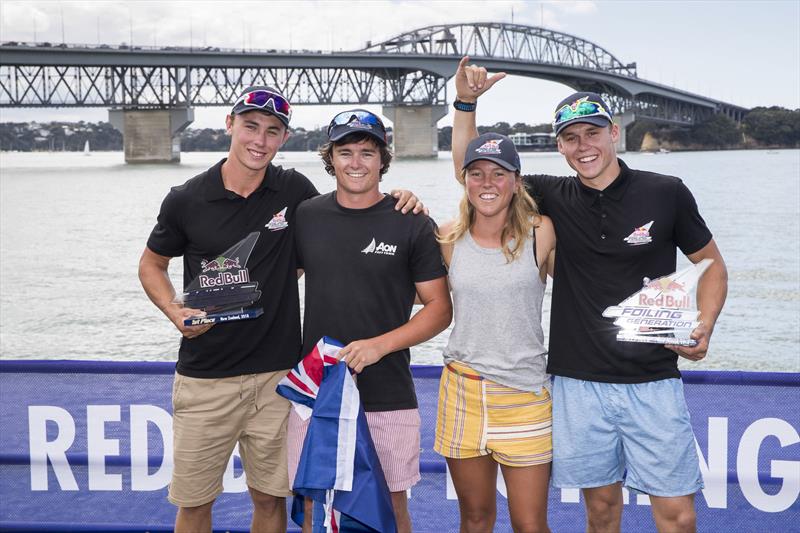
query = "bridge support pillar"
x=623 y=120
x=415 y=132
x=151 y=135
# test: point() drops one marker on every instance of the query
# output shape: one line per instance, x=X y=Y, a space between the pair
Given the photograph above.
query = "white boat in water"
x=87 y=446
x=86 y=150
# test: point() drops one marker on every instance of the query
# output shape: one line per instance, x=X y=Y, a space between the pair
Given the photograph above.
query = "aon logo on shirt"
x=380 y=249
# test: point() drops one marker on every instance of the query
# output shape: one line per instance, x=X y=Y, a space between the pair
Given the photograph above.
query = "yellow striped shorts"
x=478 y=417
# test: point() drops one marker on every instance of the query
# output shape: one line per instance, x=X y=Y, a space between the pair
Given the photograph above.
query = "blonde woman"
x=494 y=402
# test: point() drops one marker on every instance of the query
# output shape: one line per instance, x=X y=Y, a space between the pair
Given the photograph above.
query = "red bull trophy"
x=223 y=290
x=663 y=311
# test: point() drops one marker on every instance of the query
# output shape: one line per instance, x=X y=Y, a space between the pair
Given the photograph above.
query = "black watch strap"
x=465 y=106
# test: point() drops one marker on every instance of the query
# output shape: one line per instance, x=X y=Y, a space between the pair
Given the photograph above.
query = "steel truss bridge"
x=409 y=69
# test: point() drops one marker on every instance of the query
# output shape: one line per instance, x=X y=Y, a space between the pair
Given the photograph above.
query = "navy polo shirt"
x=200 y=220
x=599 y=263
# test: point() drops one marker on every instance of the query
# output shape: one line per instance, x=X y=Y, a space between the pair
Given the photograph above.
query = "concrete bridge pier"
x=415 y=132
x=623 y=120
x=151 y=135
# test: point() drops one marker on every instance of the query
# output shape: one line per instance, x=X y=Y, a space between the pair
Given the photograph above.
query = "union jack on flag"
x=339 y=468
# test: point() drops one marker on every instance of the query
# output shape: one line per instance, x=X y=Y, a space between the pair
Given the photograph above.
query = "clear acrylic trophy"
x=223 y=290
x=663 y=312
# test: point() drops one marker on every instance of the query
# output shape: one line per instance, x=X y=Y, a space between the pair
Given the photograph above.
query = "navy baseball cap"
x=582 y=107
x=355 y=121
x=493 y=147
x=266 y=99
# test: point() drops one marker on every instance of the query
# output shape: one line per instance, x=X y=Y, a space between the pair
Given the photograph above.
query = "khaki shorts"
x=210 y=416
x=479 y=417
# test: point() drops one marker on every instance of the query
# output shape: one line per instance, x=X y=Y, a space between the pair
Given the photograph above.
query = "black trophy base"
x=226 y=316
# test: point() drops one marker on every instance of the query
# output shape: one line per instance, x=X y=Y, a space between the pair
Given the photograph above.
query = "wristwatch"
x=465 y=106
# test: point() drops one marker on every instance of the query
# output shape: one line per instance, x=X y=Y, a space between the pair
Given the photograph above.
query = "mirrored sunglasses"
x=583 y=109
x=262 y=99
x=363 y=117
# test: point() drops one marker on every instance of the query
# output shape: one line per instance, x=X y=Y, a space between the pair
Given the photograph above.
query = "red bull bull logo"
x=220 y=264
x=666 y=285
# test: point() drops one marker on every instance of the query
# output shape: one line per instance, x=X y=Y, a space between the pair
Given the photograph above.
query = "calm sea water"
x=72 y=228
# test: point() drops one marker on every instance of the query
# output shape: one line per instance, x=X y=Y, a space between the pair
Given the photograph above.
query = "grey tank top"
x=498 y=315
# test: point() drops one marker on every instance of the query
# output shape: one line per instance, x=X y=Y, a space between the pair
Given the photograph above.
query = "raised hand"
x=472 y=80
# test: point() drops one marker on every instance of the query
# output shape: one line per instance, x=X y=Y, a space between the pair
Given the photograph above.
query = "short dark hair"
x=326 y=150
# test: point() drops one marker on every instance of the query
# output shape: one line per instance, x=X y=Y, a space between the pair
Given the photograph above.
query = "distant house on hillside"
x=533 y=141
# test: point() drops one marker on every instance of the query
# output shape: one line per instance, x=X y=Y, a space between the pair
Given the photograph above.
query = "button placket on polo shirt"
x=599 y=200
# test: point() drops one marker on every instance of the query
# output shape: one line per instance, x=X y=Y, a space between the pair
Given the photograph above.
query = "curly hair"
x=326 y=150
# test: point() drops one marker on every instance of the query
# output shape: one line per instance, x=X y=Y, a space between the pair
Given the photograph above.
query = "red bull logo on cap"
x=490 y=147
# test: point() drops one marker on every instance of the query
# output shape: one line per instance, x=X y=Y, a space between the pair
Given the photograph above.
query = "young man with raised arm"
x=619 y=414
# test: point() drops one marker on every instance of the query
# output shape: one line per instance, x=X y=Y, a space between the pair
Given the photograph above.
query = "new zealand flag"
x=339 y=468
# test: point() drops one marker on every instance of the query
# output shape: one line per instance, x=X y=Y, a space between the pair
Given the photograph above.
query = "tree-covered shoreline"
x=762 y=127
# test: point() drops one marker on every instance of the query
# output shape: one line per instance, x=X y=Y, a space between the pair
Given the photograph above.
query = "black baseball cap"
x=357 y=121
x=266 y=99
x=582 y=107
x=493 y=147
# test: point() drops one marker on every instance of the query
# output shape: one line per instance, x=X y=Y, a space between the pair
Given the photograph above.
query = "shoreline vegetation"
x=761 y=128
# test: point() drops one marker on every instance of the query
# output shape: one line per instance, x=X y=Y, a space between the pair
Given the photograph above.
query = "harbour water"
x=72 y=228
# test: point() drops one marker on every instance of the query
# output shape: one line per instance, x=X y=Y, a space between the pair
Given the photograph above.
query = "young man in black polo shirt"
x=617 y=406
x=225 y=379
x=363 y=266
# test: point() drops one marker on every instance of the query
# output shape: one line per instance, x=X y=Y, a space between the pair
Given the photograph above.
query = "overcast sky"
x=743 y=52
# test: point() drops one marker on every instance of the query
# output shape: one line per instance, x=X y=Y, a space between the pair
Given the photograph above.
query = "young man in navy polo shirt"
x=225 y=379
x=619 y=413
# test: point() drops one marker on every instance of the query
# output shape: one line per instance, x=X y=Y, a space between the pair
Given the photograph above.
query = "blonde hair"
x=520 y=220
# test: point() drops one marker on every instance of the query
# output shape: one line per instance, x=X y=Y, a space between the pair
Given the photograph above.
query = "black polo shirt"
x=201 y=219
x=596 y=267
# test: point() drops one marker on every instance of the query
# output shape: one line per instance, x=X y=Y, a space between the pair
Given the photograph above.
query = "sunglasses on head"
x=583 y=108
x=262 y=98
x=361 y=117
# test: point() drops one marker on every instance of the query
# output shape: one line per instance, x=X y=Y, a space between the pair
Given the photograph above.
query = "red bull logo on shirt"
x=278 y=221
x=640 y=235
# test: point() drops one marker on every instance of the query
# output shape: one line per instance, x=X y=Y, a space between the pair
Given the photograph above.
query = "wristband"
x=465 y=106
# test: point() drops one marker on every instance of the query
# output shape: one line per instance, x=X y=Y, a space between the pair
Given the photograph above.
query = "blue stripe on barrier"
x=703 y=377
